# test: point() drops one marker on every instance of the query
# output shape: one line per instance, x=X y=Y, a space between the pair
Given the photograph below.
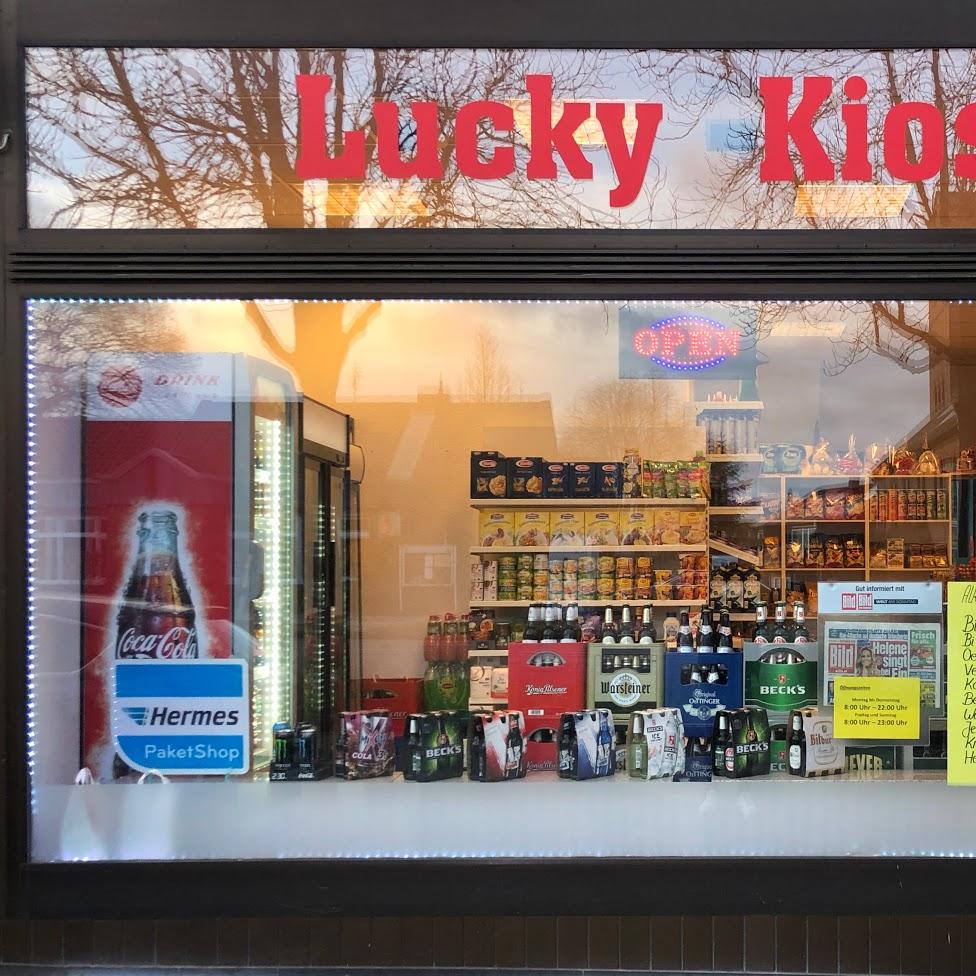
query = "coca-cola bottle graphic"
x=156 y=618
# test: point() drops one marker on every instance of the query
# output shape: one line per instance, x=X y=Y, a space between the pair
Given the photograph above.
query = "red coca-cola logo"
x=120 y=386
x=175 y=644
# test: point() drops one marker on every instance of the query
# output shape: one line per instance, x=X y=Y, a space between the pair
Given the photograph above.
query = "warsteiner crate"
x=635 y=680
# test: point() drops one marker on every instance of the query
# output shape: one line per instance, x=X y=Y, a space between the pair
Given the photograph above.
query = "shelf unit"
x=556 y=552
x=938 y=531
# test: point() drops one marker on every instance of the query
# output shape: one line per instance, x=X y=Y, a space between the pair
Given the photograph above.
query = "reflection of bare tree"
x=178 y=138
x=608 y=418
x=189 y=139
x=486 y=376
x=64 y=335
x=324 y=334
x=703 y=84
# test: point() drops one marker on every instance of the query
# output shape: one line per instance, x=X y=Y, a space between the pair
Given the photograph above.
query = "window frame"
x=350 y=264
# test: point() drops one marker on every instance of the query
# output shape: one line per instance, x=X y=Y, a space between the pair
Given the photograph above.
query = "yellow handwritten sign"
x=961 y=685
x=876 y=708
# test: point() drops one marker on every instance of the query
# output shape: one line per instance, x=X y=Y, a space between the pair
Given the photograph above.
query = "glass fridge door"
x=273 y=531
x=325 y=662
x=354 y=592
x=318 y=700
x=339 y=590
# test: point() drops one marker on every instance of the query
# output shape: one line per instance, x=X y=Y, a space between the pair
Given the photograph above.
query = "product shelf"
x=824 y=569
x=483 y=504
x=635 y=602
x=569 y=550
x=731 y=458
x=563 y=815
x=728 y=549
x=813 y=477
x=907 y=569
x=909 y=522
x=825 y=521
x=736 y=510
x=719 y=405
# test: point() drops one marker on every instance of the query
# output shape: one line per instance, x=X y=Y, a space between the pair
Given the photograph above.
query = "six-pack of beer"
x=741 y=743
x=655 y=743
x=434 y=746
x=586 y=744
x=496 y=747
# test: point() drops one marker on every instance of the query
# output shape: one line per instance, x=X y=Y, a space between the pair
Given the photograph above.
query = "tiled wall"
x=913 y=946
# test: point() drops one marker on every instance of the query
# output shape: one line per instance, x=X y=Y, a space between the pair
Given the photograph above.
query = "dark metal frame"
x=471 y=264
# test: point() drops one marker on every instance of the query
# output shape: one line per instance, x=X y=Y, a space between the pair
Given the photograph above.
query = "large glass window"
x=290 y=561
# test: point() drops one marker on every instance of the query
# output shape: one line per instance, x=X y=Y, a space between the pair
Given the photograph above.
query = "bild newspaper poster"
x=872 y=644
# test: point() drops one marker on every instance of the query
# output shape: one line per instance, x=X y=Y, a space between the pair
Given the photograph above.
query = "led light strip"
x=31 y=451
x=642 y=303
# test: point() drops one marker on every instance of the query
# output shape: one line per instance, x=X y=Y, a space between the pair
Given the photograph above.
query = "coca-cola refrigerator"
x=217 y=501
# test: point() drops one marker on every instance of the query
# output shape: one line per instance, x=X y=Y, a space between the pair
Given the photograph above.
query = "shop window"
x=275 y=547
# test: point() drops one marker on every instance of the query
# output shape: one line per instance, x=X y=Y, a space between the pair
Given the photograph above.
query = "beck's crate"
x=719 y=687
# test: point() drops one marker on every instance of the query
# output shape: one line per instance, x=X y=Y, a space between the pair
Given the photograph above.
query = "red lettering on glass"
x=781 y=128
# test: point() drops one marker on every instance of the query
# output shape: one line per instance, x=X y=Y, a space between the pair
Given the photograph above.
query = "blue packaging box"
x=700 y=701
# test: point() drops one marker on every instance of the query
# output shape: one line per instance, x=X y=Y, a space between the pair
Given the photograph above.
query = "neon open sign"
x=687 y=343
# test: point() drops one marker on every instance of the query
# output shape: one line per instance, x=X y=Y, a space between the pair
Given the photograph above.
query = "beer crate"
x=546 y=677
x=399 y=696
x=624 y=689
x=542 y=731
x=779 y=688
x=700 y=701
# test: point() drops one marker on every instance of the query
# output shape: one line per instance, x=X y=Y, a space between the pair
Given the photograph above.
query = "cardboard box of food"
x=531 y=529
x=557 y=479
x=489 y=474
x=584 y=479
x=636 y=527
x=566 y=529
x=525 y=477
x=602 y=527
x=692 y=528
x=667 y=527
x=496 y=528
x=610 y=479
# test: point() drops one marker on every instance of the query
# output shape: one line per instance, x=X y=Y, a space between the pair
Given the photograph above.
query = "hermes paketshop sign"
x=912 y=140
